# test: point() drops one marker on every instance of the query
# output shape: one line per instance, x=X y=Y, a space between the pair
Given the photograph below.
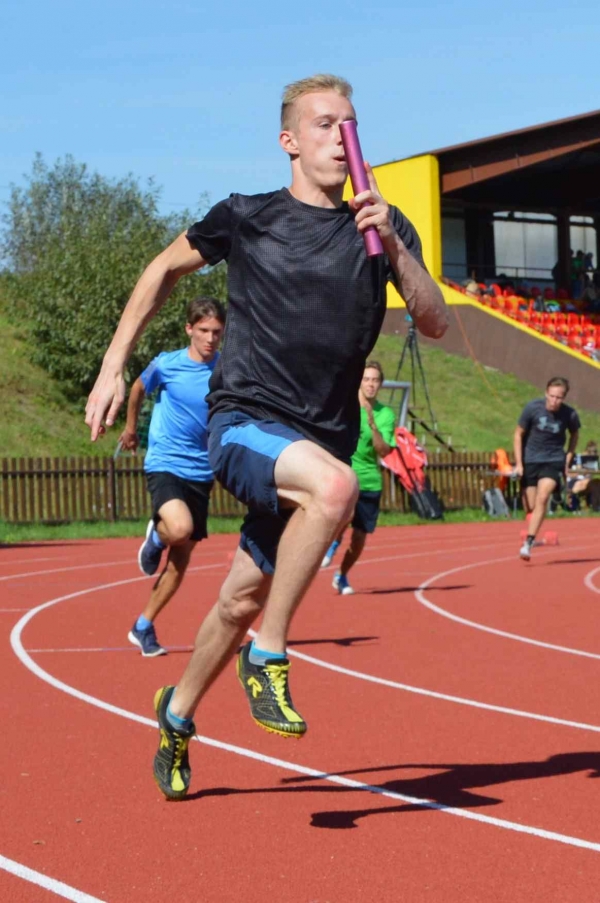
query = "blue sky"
x=189 y=93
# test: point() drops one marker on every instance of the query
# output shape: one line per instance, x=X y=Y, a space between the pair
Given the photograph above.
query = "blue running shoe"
x=340 y=582
x=146 y=640
x=149 y=554
x=329 y=554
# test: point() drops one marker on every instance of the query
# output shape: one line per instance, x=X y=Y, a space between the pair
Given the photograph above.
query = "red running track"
x=454 y=736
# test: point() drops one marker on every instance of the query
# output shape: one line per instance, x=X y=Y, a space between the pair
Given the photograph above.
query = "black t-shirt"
x=545 y=432
x=305 y=308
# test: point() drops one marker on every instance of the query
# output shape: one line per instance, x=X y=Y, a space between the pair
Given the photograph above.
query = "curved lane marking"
x=589 y=580
x=28 y=662
x=83 y=567
x=420 y=596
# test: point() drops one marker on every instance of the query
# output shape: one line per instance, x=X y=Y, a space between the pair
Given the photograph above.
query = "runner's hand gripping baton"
x=358 y=177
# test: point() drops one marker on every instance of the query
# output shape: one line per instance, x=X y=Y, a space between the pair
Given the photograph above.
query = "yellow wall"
x=414 y=186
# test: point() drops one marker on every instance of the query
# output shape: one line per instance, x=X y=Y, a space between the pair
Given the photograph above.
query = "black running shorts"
x=533 y=473
x=164 y=487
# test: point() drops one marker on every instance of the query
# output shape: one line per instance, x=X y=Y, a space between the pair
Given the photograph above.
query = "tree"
x=74 y=245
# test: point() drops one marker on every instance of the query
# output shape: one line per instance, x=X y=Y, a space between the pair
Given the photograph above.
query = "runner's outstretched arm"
x=152 y=290
x=571 y=450
x=129 y=438
x=518 y=449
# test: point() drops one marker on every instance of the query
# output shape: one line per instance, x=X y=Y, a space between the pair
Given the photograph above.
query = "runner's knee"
x=338 y=493
x=239 y=608
x=178 y=529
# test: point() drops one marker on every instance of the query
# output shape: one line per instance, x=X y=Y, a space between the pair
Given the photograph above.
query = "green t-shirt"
x=365 y=461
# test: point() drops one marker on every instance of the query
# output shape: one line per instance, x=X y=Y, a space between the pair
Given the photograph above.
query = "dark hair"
x=202 y=307
x=559 y=381
x=375 y=365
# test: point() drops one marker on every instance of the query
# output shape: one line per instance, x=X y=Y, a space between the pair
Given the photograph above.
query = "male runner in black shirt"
x=305 y=307
x=540 y=457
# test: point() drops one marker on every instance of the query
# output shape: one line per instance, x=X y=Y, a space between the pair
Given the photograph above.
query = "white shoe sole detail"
x=346 y=591
x=149 y=530
x=133 y=639
x=326 y=561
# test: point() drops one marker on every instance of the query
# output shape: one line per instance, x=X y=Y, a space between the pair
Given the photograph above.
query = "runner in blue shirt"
x=177 y=470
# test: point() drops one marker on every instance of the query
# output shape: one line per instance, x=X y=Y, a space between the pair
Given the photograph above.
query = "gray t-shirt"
x=545 y=432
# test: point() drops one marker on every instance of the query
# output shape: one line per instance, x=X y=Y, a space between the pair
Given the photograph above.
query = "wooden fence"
x=55 y=490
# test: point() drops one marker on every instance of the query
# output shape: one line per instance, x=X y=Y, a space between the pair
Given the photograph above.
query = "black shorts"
x=164 y=487
x=366 y=512
x=533 y=473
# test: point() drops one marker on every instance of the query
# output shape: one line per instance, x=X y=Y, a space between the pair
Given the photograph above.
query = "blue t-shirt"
x=177 y=440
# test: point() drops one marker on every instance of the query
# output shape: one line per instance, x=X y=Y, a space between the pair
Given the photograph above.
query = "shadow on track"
x=450 y=785
x=574 y=561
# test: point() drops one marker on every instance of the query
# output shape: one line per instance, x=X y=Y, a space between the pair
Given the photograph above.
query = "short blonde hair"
x=309 y=85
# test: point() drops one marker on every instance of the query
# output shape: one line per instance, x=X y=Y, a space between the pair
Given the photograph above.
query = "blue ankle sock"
x=142 y=623
x=157 y=540
x=177 y=723
x=262 y=656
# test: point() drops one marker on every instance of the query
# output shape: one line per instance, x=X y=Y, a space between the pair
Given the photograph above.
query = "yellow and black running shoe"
x=269 y=696
x=172 y=770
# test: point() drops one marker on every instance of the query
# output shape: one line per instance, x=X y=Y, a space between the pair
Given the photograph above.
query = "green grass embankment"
x=476 y=407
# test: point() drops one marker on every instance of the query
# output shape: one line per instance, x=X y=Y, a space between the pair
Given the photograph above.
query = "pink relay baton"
x=358 y=177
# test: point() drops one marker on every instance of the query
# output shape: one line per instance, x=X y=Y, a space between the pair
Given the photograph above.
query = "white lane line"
x=428 y=554
x=57 y=887
x=221 y=562
x=75 y=567
x=83 y=567
x=28 y=662
x=460 y=700
x=420 y=596
x=421 y=691
x=11 y=562
x=589 y=580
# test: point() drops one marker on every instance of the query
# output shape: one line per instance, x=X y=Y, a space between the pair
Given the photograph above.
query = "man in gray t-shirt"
x=540 y=457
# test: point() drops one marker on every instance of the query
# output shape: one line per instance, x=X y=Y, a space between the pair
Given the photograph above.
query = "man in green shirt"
x=376 y=439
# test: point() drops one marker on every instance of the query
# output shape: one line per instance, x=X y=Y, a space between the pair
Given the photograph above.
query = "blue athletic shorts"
x=366 y=512
x=242 y=452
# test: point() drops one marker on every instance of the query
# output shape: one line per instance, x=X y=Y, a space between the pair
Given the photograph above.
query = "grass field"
x=35 y=417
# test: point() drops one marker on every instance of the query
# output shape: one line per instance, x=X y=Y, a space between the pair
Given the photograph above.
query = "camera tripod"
x=411 y=350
